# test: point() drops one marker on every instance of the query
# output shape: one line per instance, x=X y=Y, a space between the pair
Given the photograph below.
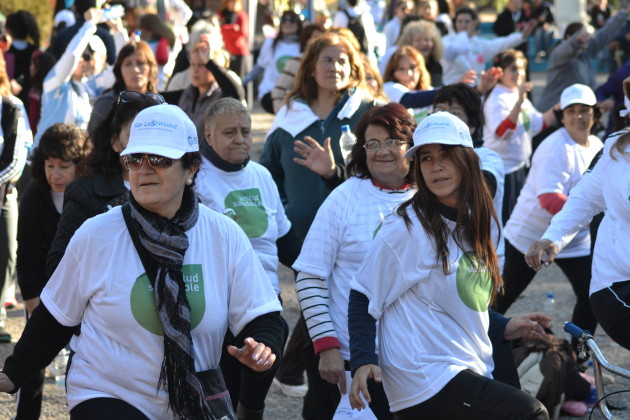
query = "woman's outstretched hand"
x=359 y=385
x=534 y=255
x=316 y=158
x=6 y=385
x=254 y=355
x=527 y=326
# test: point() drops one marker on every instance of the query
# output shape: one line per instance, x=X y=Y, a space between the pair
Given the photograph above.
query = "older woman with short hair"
x=243 y=190
x=166 y=279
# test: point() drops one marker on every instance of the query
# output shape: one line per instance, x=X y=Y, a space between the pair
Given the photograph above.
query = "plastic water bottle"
x=347 y=141
x=58 y=370
x=549 y=307
x=113 y=12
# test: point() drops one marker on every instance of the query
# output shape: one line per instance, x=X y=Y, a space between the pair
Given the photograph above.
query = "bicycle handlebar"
x=575 y=331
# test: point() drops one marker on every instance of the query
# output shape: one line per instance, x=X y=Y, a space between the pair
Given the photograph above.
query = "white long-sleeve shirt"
x=463 y=53
x=605 y=188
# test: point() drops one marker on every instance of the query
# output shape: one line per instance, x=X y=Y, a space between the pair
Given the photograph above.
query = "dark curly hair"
x=23 y=24
x=468 y=98
x=394 y=118
x=60 y=141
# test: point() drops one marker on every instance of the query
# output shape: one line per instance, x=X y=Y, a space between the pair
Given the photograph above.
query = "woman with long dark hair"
x=104 y=186
x=428 y=279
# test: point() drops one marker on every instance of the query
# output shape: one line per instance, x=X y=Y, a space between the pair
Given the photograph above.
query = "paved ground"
x=281 y=407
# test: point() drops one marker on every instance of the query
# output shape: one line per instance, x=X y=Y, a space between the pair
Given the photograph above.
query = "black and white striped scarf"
x=165 y=241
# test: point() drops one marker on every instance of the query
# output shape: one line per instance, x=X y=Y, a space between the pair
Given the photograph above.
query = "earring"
x=189 y=181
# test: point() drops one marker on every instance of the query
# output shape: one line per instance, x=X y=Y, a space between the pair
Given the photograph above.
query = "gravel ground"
x=282 y=407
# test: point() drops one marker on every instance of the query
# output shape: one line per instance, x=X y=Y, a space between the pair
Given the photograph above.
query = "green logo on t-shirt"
x=246 y=208
x=474 y=284
x=281 y=61
x=143 y=299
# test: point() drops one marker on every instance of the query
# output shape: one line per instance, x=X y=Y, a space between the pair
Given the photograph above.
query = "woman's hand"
x=254 y=355
x=468 y=77
x=524 y=89
x=527 y=326
x=528 y=29
x=488 y=79
x=534 y=255
x=5 y=383
x=316 y=158
x=204 y=51
x=359 y=385
x=332 y=368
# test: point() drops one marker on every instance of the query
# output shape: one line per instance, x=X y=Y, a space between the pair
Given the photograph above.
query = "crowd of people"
x=409 y=179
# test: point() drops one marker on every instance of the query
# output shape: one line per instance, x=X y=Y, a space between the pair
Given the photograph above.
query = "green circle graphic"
x=474 y=284
x=142 y=300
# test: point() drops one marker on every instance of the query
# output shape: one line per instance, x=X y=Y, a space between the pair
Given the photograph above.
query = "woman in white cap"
x=154 y=285
x=605 y=188
x=557 y=166
x=428 y=279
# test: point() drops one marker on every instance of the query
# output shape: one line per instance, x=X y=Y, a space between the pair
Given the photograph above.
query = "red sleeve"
x=161 y=52
x=552 y=202
x=325 y=343
x=505 y=125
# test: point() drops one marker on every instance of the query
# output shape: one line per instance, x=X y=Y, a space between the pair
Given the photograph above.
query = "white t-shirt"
x=431 y=325
x=557 y=166
x=395 y=91
x=101 y=284
x=605 y=188
x=340 y=236
x=251 y=199
x=515 y=146
x=491 y=162
x=272 y=60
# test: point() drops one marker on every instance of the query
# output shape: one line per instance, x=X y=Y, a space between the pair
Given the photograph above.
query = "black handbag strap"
x=144 y=255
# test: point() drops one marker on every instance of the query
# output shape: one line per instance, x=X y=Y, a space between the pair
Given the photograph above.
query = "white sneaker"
x=297 y=391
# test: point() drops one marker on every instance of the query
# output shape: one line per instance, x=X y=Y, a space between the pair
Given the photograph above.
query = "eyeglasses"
x=130 y=96
x=373 y=146
x=134 y=161
x=290 y=19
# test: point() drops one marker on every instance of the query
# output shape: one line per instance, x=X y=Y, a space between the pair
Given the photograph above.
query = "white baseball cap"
x=577 y=94
x=66 y=16
x=440 y=128
x=163 y=130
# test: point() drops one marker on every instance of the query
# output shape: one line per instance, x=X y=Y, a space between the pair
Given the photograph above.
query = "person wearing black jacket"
x=57 y=161
x=104 y=188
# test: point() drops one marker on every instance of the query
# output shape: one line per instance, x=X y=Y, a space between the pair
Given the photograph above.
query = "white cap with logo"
x=577 y=94
x=440 y=128
x=163 y=130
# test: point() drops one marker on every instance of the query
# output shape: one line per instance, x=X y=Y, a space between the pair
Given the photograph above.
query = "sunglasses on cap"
x=130 y=96
x=134 y=161
x=290 y=19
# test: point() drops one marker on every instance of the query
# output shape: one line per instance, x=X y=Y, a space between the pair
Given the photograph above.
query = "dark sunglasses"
x=134 y=161
x=131 y=96
x=291 y=19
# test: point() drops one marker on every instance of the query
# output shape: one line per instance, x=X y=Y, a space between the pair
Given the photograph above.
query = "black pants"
x=517 y=276
x=245 y=386
x=322 y=398
x=106 y=409
x=512 y=188
x=612 y=308
x=471 y=396
x=291 y=368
